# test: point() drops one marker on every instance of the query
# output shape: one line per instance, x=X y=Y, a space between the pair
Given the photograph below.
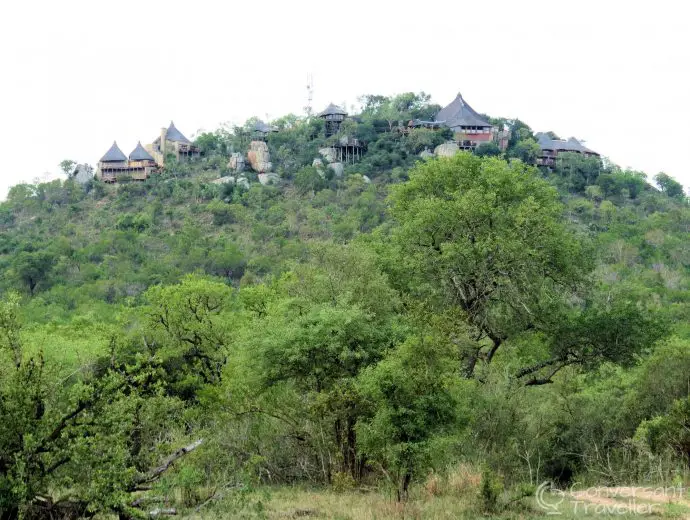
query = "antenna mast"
x=310 y=95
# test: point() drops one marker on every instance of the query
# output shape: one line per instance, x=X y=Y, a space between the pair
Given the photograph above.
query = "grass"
x=455 y=495
x=287 y=502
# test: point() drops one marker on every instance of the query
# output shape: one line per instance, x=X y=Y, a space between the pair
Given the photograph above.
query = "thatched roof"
x=262 y=127
x=114 y=154
x=459 y=114
x=562 y=145
x=140 y=154
x=175 y=135
x=332 y=110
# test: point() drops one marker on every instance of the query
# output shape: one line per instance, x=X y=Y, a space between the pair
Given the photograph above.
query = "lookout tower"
x=333 y=116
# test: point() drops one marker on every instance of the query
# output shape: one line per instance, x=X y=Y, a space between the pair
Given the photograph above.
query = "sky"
x=76 y=75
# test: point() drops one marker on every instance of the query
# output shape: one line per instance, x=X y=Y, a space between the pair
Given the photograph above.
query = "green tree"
x=67 y=166
x=410 y=393
x=488 y=237
x=576 y=171
x=326 y=322
x=33 y=268
x=186 y=325
x=308 y=180
x=96 y=433
x=669 y=186
x=487 y=150
x=527 y=150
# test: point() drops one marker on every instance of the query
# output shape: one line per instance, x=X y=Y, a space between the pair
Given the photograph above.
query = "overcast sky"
x=77 y=75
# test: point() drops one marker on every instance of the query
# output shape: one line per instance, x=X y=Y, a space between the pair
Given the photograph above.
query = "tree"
x=411 y=396
x=308 y=180
x=210 y=143
x=33 y=267
x=487 y=150
x=669 y=186
x=488 y=237
x=96 y=434
x=67 y=166
x=577 y=171
x=527 y=150
x=325 y=323
x=185 y=325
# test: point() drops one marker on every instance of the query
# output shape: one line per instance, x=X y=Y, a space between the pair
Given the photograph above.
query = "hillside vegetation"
x=450 y=334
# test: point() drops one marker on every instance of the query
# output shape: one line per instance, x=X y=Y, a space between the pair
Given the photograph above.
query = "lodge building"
x=469 y=128
x=551 y=148
x=145 y=161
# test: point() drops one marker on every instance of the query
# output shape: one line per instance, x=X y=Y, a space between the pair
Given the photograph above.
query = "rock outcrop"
x=225 y=180
x=83 y=173
x=329 y=154
x=446 y=150
x=338 y=168
x=426 y=154
x=268 y=178
x=258 y=157
x=236 y=162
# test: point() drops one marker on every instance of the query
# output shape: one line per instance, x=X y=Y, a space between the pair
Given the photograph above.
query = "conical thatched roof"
x=114 y=154
x=332 y=110
x=175 y=135
x=140 y=154
x=459 y=113
x=262 y=127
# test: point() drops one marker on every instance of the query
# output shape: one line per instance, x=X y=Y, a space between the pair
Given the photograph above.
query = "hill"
x=392 y=328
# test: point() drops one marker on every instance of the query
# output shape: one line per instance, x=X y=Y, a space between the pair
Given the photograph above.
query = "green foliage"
x=669 y=186
x=308 y=180
x=526 y=150
x=322 y=332
x=487 y=150
x=129 y=222
x=490 y=491
x=622 y=183
x=576 y=171
x=411 y=393
x=33 y=268
x=67 y=166
x=671 y=430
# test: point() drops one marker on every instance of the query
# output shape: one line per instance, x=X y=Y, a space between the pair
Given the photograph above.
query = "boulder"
x=244 y=182
x=258 y=157
x=366 y=179
x=268 y=178
x=426 y=154
x=318 y=164
x=236 y=162
x=338 y=168
x=329 y=154
x=446 y=150
x=83 y=173
x=225 y=180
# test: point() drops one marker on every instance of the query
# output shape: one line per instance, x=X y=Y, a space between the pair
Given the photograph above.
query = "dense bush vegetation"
x=335 y=331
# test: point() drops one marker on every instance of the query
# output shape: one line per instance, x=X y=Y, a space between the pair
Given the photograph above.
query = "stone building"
x=172 y=142
x=551 y=148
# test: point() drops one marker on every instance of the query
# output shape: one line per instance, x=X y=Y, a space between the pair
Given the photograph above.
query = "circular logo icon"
x=549 y=498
